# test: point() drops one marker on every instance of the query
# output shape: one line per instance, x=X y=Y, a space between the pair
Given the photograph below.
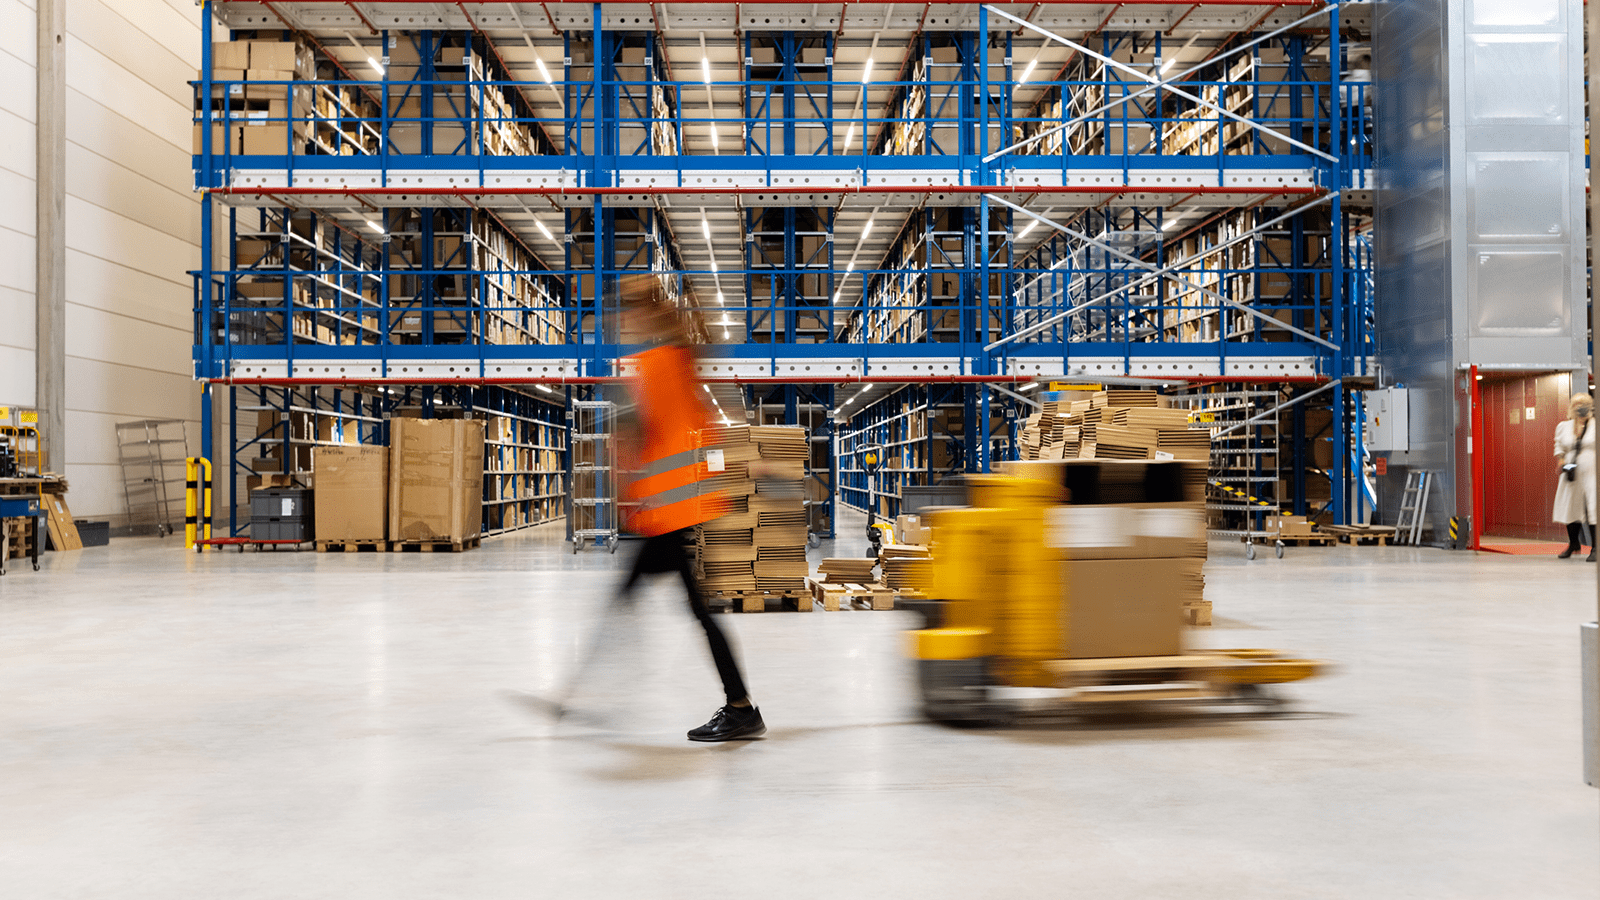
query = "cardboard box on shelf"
x=352 y=493
x=435 y=479
x=1128 y=607
x=230 y=55
x=265 y=140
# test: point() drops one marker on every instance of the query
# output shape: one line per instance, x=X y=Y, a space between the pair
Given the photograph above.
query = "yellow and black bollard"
x=196 y=502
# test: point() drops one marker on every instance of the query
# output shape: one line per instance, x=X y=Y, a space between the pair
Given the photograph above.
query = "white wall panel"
x=99 y=335
x=104 y=182
x=95 y=75
x=16 y=374
x=13 y=71
x=133 y=244
x=132 y=232
x=17 y=311
x=112 y=33
x=18 y=25
x=17 y=203
x=96 y=282
x=17 y=138
x=16 y=261
x=114 y=390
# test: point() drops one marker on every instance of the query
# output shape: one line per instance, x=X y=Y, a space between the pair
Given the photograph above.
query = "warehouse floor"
x=346 y=726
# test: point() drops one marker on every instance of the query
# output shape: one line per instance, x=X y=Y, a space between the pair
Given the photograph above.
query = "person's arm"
x=1563 y=430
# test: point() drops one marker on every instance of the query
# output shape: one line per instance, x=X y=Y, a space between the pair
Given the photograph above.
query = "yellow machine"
x=999 y=618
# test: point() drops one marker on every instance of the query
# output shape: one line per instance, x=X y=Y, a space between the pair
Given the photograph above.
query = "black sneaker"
x=731 y=723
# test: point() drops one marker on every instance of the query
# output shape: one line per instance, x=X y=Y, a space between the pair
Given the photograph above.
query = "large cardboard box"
x=1128 y=607
x=435 y=479
x=352 y=493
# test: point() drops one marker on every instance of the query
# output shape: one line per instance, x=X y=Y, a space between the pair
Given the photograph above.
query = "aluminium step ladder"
x=1413 y=507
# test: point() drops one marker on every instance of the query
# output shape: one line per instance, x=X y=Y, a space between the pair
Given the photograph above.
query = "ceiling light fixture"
x=543 y=72
x=849 y=135
x=1167 y=66
x=705 y=68
x=373 y=225
x=866 y=230
x=713 y=137
x=1032 y=63
x=376 y=66
x=543 y=388
x=720 y=298
x=705 y=228
x=1028 y=387
x=1031 y=225
x=866 y=71
x=1167 y=225
x=544 y=231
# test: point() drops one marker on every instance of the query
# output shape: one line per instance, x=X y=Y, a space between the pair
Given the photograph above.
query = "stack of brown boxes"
x=255 y=118
x=1131 y=541
x=435 y=481
x=760 y=545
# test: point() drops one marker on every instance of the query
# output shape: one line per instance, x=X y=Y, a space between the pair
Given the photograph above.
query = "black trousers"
x=669 y=553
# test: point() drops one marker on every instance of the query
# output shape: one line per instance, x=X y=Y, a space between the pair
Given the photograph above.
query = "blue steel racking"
x=1225 y=128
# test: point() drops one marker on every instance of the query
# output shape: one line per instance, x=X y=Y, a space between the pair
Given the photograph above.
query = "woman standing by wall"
x=1575 y=492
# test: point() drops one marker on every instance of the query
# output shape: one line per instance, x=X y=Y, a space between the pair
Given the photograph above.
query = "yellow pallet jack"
x=999 y=622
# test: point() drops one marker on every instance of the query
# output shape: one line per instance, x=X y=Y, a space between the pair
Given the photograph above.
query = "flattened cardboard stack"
x=1132 y=542
x=847 y=570
x=760 y=545
x=1114 y=424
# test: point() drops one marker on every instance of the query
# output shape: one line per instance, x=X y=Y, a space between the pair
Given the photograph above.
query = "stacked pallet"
x=907 y=569
x=760 y=544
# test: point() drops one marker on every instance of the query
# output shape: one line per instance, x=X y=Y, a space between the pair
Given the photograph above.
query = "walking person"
x=1575 y=489
x=664 y=448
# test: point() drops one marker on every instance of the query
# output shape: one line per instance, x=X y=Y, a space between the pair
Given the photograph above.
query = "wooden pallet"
x=1374 y=535
x=434 y=546
x=352 y=546
x=22 y=536
x=835 y=596
x=1197 y=612
x=759 y=601
x=1314 y=540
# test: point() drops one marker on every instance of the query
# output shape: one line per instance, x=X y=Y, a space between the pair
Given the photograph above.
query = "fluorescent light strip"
x=866 y=71
x=543 y=72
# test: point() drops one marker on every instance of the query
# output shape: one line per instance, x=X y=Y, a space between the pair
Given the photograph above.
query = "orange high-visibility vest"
x=670 y=466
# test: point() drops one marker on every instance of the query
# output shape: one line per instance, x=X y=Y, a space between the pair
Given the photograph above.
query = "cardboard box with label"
x=352 y=493
x=435 y=480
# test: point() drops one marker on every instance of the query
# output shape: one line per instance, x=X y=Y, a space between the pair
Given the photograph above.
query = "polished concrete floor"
x=349 y=726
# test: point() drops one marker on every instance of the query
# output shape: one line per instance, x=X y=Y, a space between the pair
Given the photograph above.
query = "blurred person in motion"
x=663 y=447
x=1575 y=488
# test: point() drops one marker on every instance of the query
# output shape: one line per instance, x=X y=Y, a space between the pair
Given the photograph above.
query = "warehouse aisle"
x=232 y=726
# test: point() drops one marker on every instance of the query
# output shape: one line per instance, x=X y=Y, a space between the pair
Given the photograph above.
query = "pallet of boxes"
x=422 y=493
x=1131 y=536
x=756 y=553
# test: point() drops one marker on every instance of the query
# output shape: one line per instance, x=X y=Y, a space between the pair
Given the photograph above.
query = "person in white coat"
x=1575 y=488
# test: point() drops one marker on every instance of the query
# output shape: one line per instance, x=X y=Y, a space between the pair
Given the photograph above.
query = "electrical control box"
x=1389 y=420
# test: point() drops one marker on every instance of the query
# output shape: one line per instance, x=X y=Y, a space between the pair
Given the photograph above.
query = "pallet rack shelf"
x=603 y=148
